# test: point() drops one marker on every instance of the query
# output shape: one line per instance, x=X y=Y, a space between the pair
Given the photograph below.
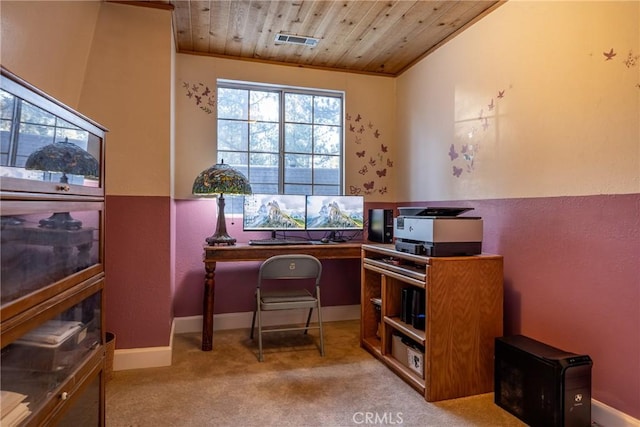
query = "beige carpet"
x=294 y=386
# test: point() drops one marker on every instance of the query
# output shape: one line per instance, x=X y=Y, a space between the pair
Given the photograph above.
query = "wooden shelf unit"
x=52 y=265
x=464 y=312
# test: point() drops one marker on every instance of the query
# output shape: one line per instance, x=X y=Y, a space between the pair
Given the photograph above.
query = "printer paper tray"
x=401 y=272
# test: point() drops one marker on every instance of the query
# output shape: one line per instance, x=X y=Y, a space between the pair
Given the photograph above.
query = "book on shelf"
x=13 y=408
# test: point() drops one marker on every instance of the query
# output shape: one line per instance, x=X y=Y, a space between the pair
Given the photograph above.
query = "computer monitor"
x=274 y=212
x=335 y=213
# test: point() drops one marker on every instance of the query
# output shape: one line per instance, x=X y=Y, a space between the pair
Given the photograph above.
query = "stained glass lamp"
x=67 y=158
x=216 y=181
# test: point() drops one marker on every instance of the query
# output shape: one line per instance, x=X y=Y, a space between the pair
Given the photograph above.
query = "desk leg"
x=207 y=310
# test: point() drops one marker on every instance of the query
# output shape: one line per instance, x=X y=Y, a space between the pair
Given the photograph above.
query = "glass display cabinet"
x=51 y=259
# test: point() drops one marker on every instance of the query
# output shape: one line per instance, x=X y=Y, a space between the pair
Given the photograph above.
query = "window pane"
x=326 y=170
x=327 y=140
x=297 y=138
x=233 y=135
x=297 y=189
x=326 y=190
x=265 y=106
x=298 y=108
x=264 y=168
x=33 y=114
x=327 y=110
x=264 y=137
x=297 y=169
x=239 y=160
x=7 y=102
x=233 y=104
x=265 y=188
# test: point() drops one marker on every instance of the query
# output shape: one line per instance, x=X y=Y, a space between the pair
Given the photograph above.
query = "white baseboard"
x=145 y=357
x=606 y=416
x=153 y=357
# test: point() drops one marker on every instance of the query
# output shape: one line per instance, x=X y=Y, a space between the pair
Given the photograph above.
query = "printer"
x=437 y=232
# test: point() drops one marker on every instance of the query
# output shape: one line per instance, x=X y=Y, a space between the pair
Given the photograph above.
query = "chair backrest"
x=296 y=266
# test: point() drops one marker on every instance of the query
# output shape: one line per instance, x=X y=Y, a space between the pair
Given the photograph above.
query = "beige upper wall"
x=111 y=62
x=32 y=33
x=128 y=88
x=530 y=96
x=369 y=111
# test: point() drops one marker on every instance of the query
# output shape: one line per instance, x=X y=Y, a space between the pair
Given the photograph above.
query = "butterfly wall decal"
x=384 y=148
x=382 y=173
x=206 y=92
x=457 y=171
x=609 y=55
x=369 y=185
x=360 y=153
x=363 y=170
x=355 y=190
x=452 y=152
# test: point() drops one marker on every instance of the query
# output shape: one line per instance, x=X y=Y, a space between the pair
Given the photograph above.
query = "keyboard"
x=277 y=242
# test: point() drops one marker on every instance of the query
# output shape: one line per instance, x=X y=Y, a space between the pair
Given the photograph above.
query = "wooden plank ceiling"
x=383 y=37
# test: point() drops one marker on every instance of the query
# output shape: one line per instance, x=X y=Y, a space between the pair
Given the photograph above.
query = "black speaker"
x=542 y=385
x=381 y=225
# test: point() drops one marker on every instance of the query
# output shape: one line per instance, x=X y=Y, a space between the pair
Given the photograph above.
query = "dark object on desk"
x=380 y=228
x=542 y=385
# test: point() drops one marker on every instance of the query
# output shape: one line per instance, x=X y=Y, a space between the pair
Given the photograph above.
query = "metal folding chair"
x=300 y=268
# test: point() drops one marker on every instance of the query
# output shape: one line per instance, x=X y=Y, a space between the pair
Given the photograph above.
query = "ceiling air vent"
x=299 y=40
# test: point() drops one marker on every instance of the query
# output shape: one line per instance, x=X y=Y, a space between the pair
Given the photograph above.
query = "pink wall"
x=572 y=280
x=138 y=270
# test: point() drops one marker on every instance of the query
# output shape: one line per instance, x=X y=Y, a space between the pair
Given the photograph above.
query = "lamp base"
x=220 y=239
x=61 y=221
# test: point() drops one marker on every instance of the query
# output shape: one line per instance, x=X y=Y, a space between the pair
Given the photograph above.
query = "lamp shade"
x=64 y=157
x=221 y=179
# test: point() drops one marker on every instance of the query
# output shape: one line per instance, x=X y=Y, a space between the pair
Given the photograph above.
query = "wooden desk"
x=245 y=252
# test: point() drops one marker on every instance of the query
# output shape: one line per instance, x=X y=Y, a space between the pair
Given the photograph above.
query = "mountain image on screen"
x=331 y=216
x=271 y=216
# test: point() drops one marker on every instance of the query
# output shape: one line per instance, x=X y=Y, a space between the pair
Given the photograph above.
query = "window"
x=285 y=140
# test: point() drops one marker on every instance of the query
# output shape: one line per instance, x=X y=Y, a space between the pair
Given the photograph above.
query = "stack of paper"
x=13 y=409
x=52 y=332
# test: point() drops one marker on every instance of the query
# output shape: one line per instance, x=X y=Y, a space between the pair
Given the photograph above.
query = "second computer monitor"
x=335 y=213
